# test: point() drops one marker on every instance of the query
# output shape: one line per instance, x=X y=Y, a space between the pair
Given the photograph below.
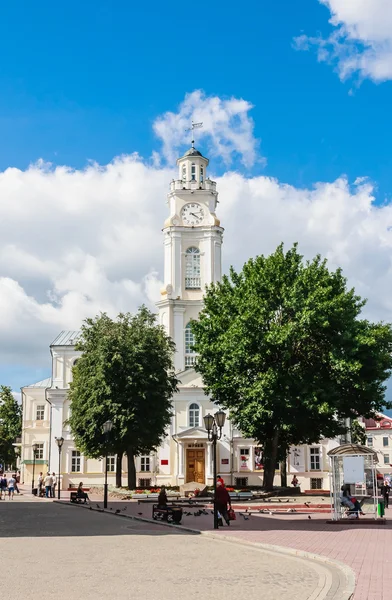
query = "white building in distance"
x=192 y=259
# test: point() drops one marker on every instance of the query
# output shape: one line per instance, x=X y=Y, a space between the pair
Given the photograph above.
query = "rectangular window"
x=75 y=461
x=111 y=463
x=240 y=482
x=39 y=455
x=193 y=172
x=370 y=442
x=385 y=442
x=40 y=413
x=315 y=459
x=316 y=483
x=145 y=464
x=386 y=459
x=145 y=483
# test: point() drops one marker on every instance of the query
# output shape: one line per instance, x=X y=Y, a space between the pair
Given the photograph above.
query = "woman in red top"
x=222 y=499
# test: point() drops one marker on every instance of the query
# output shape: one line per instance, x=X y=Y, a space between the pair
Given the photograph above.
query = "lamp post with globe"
x=107 y=428
x=214 y=425
x=59 y=442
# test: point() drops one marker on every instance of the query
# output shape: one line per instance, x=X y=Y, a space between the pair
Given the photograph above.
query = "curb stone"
x=345 y=592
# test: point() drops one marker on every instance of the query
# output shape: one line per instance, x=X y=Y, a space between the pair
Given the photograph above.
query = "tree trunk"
x=270 y=458
x=283 y=473
x=119 y=469
x=131 y=469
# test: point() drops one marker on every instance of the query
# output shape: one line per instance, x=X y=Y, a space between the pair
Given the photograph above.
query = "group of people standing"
x=47 y=485
x=9 y=485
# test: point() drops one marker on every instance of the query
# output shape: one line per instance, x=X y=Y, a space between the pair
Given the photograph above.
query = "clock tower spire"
x=192 y=259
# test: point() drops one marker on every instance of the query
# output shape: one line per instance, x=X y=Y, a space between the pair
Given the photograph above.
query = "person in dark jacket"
x=385 y=489
x=162 y=498
x=222 y=501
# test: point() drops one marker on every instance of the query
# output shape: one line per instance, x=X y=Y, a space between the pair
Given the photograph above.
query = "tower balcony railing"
x=179 y=184
x=192 y=283
x=190 y=360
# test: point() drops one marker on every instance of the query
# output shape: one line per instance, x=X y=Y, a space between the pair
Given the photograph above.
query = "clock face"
x=192 y=214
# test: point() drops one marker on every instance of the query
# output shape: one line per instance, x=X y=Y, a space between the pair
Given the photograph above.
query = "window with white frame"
x=39 y=453
x=194 y=415
x=190 y=355
x=386 y=459
x=315 y=463
x=111 y=463
x=40 y=412
x=193 y=172
x=370 y=442
x=201 y=174
x=192 y=269
x=183 y=172
x=385 y=441
x=75 y=461
x=145 y=464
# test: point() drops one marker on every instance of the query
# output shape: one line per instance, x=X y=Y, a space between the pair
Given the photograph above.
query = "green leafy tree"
x=358 y=433
x=281 y=345
x=125 y=374
x=10 y=425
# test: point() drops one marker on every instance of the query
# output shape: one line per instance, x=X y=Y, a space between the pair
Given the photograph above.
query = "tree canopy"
x=125 y=375
x=281 y=345
x=10 y=425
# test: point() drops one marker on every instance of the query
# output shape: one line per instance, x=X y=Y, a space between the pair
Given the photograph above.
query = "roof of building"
x=66 y=338
x=383 y=422
x=350 y=449
x=193 y=152
x=45 y=383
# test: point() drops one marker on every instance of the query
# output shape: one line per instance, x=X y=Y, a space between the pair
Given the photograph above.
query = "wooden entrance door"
x=195 y=465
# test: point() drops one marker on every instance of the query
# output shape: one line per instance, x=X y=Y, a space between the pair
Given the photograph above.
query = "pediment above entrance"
x=193 y=433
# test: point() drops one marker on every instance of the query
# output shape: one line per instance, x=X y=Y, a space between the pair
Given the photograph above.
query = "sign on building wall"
x=258 y=458
x=225 y=461
x=297 y=459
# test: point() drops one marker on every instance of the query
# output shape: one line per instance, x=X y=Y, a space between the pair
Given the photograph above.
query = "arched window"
x=201 y=174
x=183 y=172
x=190 y=355
x=193 y=172
x=194 y=415
x=192 y=269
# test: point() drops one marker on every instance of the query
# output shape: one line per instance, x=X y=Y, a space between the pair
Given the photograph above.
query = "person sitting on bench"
x=347 y=500
x=80 y=494
x=162 y=498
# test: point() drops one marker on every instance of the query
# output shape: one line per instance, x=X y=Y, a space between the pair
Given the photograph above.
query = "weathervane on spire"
x=192 y=128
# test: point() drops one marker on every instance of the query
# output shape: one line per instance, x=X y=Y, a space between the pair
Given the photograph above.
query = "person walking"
x=222 y=500
x=39 y=485
x=11 y=487
x=385 y=489
x=48 y=482
x=3 y=485
x=53 y=491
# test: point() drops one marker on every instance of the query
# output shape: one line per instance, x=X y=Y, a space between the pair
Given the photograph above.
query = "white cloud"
x=227 y=128
x=361 y=41
x=76 y=242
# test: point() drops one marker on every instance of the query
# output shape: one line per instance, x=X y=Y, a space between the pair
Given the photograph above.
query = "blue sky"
x=87 y=81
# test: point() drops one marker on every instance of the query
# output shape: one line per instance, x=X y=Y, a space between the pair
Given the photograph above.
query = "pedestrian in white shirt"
x=11 y=487
x=48 y=482
x=53 y=494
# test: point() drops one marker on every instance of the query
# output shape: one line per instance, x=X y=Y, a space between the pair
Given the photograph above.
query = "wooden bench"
x=171 y=514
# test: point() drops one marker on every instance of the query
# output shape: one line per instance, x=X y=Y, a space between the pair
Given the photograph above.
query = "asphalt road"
x=49 y=550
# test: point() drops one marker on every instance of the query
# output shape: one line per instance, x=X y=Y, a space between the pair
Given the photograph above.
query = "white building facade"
x=193 y=240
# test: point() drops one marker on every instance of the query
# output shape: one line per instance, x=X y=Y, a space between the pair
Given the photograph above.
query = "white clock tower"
x=193 y=241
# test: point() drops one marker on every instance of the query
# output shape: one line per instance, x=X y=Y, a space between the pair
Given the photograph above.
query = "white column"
x=57 y=431
x=176 y=265
x=180 y=459
x=209 y=460
x=178 y=331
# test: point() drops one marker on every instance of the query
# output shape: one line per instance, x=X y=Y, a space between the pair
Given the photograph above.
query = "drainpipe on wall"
x=23 y=437
x=231 y=455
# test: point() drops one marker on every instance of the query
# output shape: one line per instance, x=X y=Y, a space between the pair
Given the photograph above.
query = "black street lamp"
x=214 y=425
x=35 y=449
x=59 y=442
x=107 y=428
